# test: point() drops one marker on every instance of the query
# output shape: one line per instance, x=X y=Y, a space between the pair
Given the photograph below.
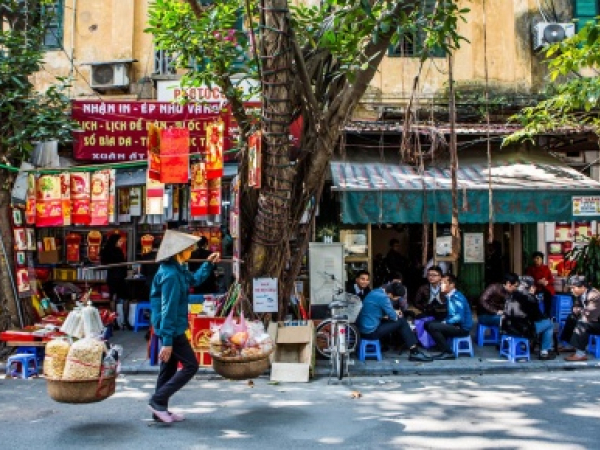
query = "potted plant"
x=587 y=260
x=327 y=232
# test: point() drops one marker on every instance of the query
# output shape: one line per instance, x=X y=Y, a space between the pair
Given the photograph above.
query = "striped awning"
x=509 y=172
x=526 y=188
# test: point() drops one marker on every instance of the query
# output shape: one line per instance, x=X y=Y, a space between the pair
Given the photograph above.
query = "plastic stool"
x=140 y=321
x=39 y=352
x=26 y=360
x=458 y=345
x=494 y=337
x=510 y=347
x=594 y=345
x=369 y=348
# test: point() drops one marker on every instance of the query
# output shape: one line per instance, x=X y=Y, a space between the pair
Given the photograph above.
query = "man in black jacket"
x=360 y=287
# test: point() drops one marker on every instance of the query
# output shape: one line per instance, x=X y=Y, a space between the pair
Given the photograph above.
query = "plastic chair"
x=29 y=365
x=562 y=306
x=594 y=345
x=462 y=345
x=141 y=309
x=369 y=349
x=511 y=348
x=494 y=332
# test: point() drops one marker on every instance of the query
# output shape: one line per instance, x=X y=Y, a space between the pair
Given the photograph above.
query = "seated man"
x=491 y=302
x=377 y=319
x=458 y=322
x=429 y=299
x=522 y=312
x=360 y=287
x=585 y=319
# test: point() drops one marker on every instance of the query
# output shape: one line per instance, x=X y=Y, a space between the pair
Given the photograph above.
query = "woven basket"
x=241 y=368
x=75 y=391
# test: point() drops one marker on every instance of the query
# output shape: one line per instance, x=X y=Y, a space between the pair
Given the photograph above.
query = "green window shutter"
x=585 y=11
x=52 y=17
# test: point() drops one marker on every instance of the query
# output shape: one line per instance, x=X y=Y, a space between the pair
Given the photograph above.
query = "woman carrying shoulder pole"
x=169 y=303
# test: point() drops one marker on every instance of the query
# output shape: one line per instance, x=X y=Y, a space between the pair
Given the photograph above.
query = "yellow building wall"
x=96 y=31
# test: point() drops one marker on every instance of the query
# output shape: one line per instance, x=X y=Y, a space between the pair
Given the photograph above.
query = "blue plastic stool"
x=510 y=347
x=141 y=309
x=494 y=337
x=39 y=352
x=594 y=345
x=369 y=349
x=27 y=360
x=462 y=345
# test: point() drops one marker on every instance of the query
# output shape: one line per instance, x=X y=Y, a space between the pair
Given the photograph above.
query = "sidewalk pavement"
x=485 y=361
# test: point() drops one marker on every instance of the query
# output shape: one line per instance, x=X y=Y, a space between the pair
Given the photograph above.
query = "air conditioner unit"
x=546 y=33
x=110 y=76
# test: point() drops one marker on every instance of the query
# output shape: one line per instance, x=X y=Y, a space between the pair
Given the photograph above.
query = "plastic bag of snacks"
x=56 y=357
x=84 y=360
x=250 y=339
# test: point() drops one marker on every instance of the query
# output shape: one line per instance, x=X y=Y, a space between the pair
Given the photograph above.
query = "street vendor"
x=169 y=302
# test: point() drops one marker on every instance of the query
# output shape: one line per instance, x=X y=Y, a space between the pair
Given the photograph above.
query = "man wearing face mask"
x=585 y=319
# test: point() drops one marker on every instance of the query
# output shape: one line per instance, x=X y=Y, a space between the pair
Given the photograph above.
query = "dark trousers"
x=170 y=380
x=567 y=332
x=391 y=327
x=441 y=331
x=582 y=332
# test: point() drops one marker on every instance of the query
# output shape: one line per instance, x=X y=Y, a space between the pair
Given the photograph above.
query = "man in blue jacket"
x=378 y=318
x=458 y=322
x=169 y=303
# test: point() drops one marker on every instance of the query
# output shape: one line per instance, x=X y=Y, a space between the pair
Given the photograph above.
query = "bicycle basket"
x=353 y=308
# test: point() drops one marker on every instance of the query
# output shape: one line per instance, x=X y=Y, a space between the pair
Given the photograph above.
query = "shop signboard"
x=118 y=131
x=264 y=294
x=586 y=206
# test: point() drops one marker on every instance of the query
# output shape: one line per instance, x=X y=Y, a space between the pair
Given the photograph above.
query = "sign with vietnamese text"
x=586 y=206
x=264 y=294
x=118 y=131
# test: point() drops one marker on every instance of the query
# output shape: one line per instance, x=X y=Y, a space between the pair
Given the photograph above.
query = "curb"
x=362 y=369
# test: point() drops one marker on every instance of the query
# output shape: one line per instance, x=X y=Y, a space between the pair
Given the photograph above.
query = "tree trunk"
x=7 y=294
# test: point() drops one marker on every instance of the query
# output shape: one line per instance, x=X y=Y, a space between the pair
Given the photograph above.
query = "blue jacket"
x=169 y=298
x=459 y=311
x=375 y=306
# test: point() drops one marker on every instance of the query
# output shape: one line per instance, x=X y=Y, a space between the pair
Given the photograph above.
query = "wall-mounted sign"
x=586 y=206
x=474 y=248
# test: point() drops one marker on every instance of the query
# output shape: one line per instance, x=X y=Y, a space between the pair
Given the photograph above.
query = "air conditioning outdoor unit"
x=109 y=76
x=546 y=33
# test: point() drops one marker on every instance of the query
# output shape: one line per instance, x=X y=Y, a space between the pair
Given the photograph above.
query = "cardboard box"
x=294 y=357
x=48 y=257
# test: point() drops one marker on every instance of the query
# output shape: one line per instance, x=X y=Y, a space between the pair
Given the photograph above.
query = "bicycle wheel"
x=324 y=341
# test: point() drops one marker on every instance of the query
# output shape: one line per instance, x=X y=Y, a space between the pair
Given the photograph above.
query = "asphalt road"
x=539 y=411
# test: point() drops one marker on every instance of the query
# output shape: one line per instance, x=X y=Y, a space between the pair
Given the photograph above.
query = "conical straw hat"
x=174 y=242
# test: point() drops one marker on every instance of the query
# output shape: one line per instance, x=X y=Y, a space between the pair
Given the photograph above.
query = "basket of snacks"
x=84 y=371
x=240 y=351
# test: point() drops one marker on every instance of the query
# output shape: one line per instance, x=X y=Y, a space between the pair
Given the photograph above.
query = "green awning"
x=526 y=187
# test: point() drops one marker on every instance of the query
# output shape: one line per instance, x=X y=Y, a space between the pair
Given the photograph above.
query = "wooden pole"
x=133 y=263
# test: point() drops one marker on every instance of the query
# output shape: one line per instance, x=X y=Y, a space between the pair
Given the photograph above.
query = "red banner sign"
x=118 y=131
x=174 y=155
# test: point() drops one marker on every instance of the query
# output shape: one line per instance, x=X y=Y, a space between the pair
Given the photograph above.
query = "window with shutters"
x=52 y=20
x=585 y=11
x=411 y=43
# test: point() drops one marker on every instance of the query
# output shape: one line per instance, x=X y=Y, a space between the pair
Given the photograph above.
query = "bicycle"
x=337 y=336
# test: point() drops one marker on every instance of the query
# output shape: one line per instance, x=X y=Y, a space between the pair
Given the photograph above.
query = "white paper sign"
x=474 y=248
x=264 y=294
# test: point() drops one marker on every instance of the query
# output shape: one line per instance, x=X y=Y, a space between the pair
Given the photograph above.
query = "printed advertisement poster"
x=80 y=197
x=199 y=191
x=586 y=206
x=49 y=201
x=265 y=295
x=100 y=196
x=474 y=246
